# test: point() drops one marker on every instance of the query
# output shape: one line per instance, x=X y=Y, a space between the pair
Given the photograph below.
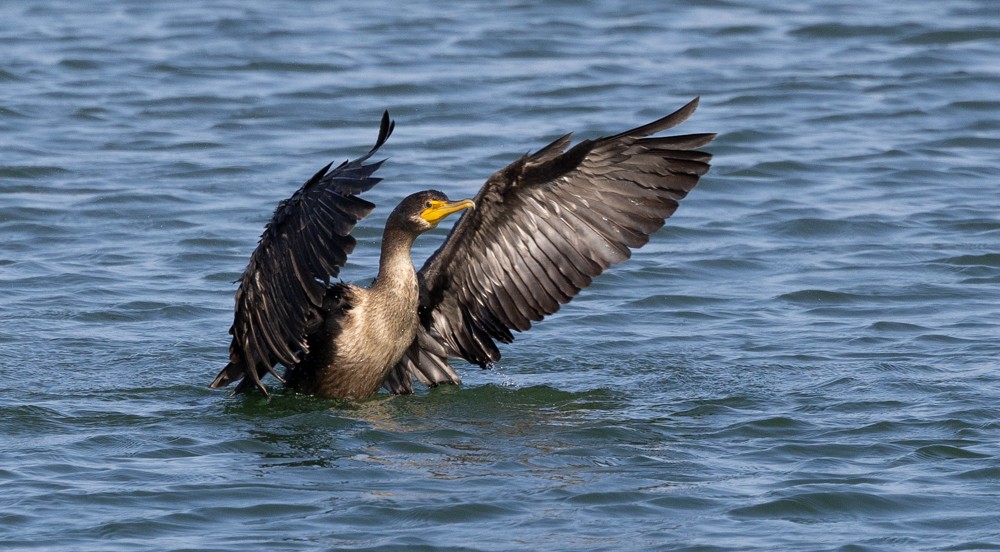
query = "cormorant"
x=536 y=234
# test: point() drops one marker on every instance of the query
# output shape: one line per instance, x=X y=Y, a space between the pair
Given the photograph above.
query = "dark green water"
x=804 y=358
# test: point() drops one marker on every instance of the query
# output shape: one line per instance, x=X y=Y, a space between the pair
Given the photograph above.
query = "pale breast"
x=374 y=335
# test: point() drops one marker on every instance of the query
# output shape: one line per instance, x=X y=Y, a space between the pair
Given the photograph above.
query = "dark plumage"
x=542 y=228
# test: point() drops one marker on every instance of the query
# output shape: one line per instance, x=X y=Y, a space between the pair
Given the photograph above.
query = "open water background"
x=804 y=358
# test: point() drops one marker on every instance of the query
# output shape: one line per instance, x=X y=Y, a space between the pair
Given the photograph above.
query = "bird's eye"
x=428 y=204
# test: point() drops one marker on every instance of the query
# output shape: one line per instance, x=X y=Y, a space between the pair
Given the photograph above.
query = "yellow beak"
x=440 y=209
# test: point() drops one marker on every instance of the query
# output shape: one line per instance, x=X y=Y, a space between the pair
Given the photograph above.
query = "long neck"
x=395 y=267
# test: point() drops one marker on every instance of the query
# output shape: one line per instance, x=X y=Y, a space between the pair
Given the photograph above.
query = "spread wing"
x=543 y=227
x=305 y=244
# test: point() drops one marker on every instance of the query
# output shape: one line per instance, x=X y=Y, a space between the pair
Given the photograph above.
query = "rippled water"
x=805 y=358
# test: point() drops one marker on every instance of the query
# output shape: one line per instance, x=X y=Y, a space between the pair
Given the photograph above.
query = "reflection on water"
x=472 y=425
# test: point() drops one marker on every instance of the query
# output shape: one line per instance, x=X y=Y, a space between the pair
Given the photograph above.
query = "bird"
x=537 y=233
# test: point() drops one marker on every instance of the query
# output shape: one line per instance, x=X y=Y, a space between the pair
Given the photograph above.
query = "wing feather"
x=304 y=245
x=543 y=228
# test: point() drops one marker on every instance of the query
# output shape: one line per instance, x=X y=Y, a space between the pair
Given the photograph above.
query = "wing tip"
x=222 y=380
x=663 y=123
x=386 y=126
x=226 y=377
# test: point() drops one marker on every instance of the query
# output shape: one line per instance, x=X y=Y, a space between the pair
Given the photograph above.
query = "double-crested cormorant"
x=536 y=234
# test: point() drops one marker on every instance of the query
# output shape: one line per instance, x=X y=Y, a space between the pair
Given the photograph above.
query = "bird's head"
x=422 y=211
